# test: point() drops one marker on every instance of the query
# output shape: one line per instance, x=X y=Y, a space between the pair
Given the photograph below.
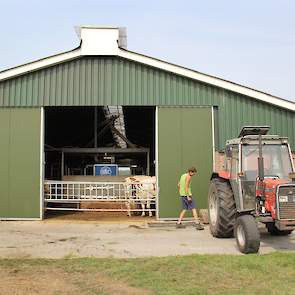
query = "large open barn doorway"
x=100 y=159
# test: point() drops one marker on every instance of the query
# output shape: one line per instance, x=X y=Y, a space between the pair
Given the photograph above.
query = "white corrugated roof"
x=82 y=50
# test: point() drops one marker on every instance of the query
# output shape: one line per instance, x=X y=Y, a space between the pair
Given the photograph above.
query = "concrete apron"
x=127 y=240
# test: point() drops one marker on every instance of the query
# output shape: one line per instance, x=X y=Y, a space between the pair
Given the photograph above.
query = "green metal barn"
x=174 y=118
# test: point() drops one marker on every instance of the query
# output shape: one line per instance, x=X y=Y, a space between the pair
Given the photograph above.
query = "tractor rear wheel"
x=274 y=231
x=222 y=208
x=247 y=234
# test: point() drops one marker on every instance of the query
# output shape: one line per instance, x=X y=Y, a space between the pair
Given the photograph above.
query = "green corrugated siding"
x=115 y=81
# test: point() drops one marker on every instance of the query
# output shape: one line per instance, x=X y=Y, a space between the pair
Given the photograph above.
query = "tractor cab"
x=256 y=160
x=255 y=184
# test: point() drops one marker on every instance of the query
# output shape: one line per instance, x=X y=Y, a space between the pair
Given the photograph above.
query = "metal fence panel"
x=143 y=194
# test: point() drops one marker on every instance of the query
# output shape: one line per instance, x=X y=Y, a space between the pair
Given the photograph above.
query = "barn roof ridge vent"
x=101 y=40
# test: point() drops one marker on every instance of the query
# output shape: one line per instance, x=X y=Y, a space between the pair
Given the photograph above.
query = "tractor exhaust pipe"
x=260 y=160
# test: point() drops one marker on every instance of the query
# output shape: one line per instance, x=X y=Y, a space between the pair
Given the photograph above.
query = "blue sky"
x=248 y=42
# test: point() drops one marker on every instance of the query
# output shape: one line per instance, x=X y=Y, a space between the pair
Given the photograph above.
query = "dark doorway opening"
x=78 y=138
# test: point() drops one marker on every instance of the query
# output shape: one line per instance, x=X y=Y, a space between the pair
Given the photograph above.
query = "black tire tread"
x=251 y=233
x=274 y=231
x=227 y=209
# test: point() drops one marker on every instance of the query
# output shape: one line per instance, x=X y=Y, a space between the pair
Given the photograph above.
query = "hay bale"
x=107 y=205
x=102 y=205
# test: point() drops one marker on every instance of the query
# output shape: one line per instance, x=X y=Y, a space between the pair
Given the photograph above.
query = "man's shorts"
x=186 y=204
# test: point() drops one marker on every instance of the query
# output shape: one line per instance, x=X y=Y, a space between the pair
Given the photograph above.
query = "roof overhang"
x=207 y=79
x=40 y=64
x=90 y=48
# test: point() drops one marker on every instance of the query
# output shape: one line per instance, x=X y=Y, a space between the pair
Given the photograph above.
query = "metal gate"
x=128 y=196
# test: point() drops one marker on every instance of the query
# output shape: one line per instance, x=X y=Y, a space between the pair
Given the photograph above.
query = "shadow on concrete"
x=279 y=243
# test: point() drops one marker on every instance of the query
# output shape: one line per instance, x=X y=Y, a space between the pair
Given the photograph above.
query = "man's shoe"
x=199 y=226
x=180 y=225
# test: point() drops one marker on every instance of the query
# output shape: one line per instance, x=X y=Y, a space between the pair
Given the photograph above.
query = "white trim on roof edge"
x=39 y=64
x=133 y=56
x=207 y=79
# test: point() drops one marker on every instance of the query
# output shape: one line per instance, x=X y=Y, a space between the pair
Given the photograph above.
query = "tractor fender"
x=221 y=174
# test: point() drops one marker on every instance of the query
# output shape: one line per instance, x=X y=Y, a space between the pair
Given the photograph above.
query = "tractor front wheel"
x=247 y=234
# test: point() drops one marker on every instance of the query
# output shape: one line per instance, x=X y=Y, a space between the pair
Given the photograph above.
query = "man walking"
x=185 y=192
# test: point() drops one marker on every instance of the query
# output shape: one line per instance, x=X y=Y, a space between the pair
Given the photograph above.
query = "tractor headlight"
x=283 y=199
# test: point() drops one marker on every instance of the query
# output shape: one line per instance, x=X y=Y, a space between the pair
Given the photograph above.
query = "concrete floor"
x=58 y=239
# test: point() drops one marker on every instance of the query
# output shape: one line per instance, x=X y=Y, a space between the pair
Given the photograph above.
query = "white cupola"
x=101 y=40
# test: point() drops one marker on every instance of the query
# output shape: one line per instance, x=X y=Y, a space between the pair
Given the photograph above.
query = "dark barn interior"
x=72 y=146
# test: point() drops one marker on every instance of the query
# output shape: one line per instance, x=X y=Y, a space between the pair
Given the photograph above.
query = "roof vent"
x=103 y=40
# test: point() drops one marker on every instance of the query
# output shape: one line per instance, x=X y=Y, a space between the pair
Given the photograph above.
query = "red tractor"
x=256 y=186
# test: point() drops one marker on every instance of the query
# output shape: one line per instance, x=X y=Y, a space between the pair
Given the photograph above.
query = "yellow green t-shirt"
x=182 y=182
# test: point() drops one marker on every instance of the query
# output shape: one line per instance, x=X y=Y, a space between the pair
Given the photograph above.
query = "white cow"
x=143 y=189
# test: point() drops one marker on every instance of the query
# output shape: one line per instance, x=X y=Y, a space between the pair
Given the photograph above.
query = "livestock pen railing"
x=129 y=196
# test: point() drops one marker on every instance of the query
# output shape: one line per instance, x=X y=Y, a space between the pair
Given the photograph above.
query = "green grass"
x=195 y=274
